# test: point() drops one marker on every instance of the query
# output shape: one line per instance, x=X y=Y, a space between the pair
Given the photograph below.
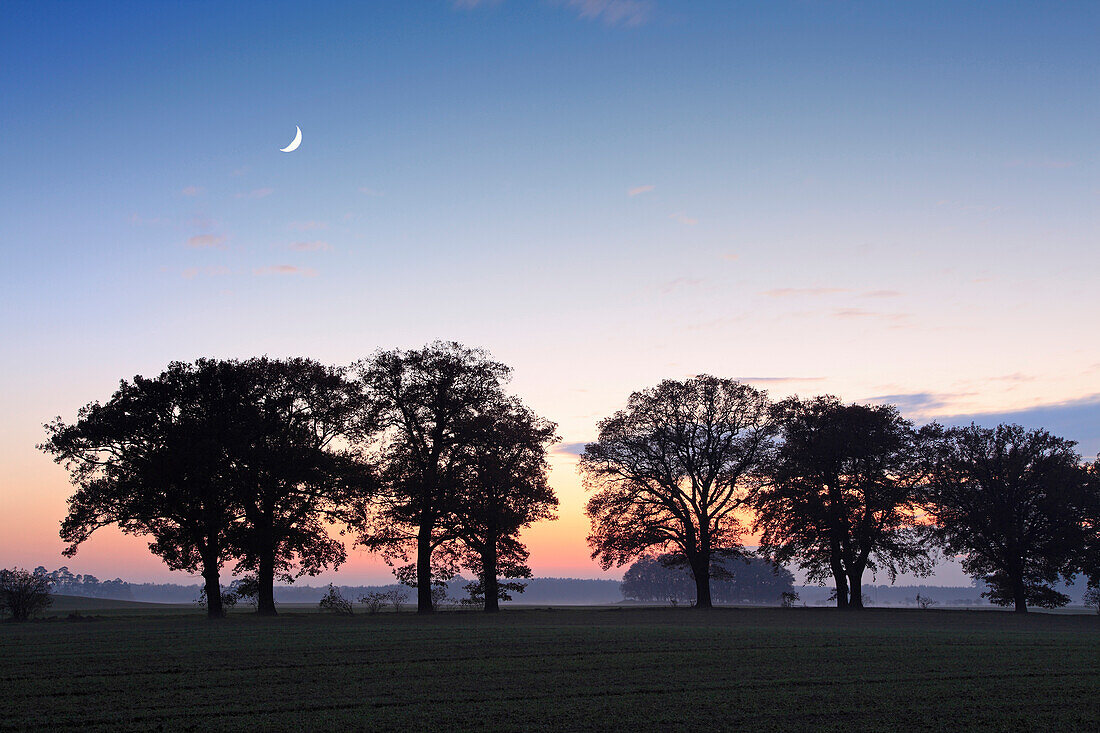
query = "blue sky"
x=868 y=199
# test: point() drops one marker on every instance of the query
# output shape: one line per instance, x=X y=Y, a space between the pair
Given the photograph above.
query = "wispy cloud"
x=680 y=217
x=206 y=241
x=770 y=380
x=918 y=404
x=790 y=292
x=368 y=191
x=1077 y=419
x=570 y=449
x=639 y=190
x=192 y=272
x=730 y=257
x=679 y=283
x=192 y=190
x=285 y=270
x=257 y=193
x=861 y=313
x=315 y=246
x=307 y=226
x=881 y=294
x=627 y=13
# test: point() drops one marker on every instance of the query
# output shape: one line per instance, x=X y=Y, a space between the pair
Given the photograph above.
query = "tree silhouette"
x=503 y=489
x=672 y=468
x=152 y=460
x=1088 y=556
x=735 y=578
x=423 y=402
x=290 y=479
x=23 y=594
x=841 y=493
x=1009 y=502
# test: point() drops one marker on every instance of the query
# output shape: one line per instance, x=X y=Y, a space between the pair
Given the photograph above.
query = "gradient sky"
x=877 y=200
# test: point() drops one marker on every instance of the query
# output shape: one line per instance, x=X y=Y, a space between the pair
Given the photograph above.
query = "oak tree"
x=672 y=468
x=841 y=493
x=1009 y=502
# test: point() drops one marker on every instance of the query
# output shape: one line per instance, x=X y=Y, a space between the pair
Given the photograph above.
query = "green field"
x=561 y=669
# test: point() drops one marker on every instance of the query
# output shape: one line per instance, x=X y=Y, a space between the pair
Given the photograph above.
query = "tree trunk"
x=855 y=589
x=424 y=568
x=701 y=570
x=1019 y=594
x=265 y=577
x=489 y=579
x=841 y=588
x=213 y=586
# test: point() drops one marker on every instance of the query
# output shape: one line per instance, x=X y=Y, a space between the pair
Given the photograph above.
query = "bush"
x=333 y=602
x=396 y=597
x=23 y=594
x=787 y=599
x=374 y=601
x=245 y=588
x=229 y=598
x=924 y=602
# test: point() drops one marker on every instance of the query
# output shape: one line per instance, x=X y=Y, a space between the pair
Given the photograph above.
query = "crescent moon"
x=295 y=142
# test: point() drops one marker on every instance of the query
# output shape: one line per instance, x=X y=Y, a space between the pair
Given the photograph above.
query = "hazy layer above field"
x=761 y=669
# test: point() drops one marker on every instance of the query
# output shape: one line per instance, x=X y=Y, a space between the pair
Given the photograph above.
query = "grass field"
x=575 y=669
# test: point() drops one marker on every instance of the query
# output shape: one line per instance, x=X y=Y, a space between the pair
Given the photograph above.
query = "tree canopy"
x=503 y=489
x=671 y=469
x=1010 y=503
x=152 y=460
x=423 y=405
x=841 y=493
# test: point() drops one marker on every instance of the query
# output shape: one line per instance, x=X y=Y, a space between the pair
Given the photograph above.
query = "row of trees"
x=838 y=489
x=424 y=458
x=420 y=455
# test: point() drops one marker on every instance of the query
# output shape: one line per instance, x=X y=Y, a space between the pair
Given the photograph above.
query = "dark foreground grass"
x=653 y=669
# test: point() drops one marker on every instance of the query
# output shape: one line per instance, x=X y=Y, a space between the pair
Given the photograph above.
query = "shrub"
x=374 y=601
x=925 y=602
x=333 y=602
x=787 y=599
x=23 y=594
x=396 y=597
x=229 y=598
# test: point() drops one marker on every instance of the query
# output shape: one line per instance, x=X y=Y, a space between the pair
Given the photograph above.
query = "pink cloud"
x=206 y=241
x=285 y=270
x=639 y=190
x=315 y=246
x=192 y=190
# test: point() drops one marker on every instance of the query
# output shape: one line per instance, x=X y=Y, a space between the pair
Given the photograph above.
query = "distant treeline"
x=553 y=591
x=557 y=591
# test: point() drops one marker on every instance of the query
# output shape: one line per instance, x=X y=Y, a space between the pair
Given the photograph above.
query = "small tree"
x=788 y=598
x=373 y=601
x=1092 y=598
x=334 y=602
x=925 y=602
x=23 y=594
x=396 y=597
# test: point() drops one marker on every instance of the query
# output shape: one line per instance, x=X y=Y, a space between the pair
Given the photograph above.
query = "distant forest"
x=539 y=591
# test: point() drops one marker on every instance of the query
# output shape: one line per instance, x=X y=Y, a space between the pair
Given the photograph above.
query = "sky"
x=883 y=201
